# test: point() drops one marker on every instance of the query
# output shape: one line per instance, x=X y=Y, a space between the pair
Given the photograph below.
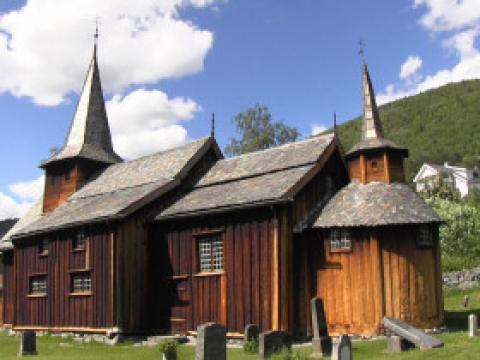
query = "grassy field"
x=457 y=344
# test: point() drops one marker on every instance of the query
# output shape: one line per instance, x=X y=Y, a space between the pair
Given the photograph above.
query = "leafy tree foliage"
x=258 y=131
x=460 y=234
x=436 y=126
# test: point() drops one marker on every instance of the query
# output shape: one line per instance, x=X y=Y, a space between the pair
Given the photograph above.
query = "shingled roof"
x=258 y=178
x=122 y=188
x=375 y=204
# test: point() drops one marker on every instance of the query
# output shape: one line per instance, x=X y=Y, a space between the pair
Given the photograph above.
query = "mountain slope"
x=436 y=126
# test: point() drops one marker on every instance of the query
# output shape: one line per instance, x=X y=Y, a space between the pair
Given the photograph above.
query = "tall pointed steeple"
x=371 y=126
x=88 y=145
x=89 y=135
x=374 y=158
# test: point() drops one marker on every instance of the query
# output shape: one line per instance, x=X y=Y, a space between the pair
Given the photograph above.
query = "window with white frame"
x=81 y=282
x=210 y=252
x=38 y=285
x=43 y=246
x=425 y=236
x=79 y=241
x=340 y=240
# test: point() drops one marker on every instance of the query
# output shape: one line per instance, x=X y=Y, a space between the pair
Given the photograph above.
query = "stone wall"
x=464 y=279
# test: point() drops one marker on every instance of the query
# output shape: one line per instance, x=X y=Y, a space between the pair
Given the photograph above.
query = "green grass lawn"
x=457 y=344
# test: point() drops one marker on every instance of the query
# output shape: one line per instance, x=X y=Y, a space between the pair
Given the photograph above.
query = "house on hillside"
x=459 y=178
x=181 y=237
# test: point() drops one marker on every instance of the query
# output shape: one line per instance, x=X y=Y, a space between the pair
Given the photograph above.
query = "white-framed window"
x=38 y=285
x=424 y=237
x=81 y=282
x=79 y=241
x=210 y=252
x=43 y=246
x=340 y=240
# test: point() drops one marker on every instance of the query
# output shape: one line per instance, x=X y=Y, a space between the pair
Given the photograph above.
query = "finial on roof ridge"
x=212 y=130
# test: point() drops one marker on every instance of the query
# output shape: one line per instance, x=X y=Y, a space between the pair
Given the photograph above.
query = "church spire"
x=89 y=135
x=371 y=127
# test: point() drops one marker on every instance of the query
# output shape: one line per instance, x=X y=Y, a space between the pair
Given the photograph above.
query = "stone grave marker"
x=472 y=325
x=321 y=342
x=465 y=301
x=410 y=333
x=28 y=343
x=271 y=342
x=211 y=342
x=251 y=333
x=398 y=344
x=342 y=348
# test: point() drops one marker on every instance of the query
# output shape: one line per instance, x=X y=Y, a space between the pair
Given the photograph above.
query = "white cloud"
x=147 y=121
x=318 y=128
x=459 y=22
x=28 y=190
x=46 y=44
x=410 y=67
x=10 y=208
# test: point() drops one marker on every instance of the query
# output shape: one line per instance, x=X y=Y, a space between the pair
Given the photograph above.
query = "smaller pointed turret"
x=88 y=146
x=374 y=158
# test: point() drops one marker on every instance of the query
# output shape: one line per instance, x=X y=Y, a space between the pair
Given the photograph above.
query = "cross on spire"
x=95 y=36
x=361 y=51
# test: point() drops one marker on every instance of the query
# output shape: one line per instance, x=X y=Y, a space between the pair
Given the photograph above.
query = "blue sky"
x=167 y=64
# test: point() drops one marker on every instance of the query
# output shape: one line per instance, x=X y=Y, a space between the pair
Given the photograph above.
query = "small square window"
x=38 y=285
x=81 y=282
x=79 y=241
x=210 y=251
x=374 y=165
x=67 y=176
x=424 y=237
x=43 y=246
x=340 y=240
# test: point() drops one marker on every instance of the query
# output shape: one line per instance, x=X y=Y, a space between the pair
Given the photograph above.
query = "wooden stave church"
x=140 y=225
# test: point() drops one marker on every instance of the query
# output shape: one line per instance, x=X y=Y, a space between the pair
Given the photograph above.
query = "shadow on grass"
x=458 y=320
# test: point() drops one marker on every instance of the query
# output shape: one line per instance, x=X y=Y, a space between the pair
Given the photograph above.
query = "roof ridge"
x=312 y=138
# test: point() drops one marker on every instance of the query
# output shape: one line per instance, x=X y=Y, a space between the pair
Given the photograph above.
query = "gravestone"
x=211 y=342
x=251 y=333
x=465 y=301
x=271 y=342
x=321 y=342
x=398 y=344
x=410 y=333
x=472 y=325
x=342 y=348
x=28 y=344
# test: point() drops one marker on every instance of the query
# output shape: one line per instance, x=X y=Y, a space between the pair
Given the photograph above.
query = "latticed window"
x=79 y=241
x=210 y=249
x=340 y=239
x=43 y=247
x=81 y=282
x=38 y=285
x=424 y=236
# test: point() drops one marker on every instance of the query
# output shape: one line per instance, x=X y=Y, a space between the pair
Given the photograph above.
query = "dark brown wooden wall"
x=61 y=310
x=237 y=297
x=8 y=288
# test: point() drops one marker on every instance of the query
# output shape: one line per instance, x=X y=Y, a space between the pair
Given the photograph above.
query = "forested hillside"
x=436 y=126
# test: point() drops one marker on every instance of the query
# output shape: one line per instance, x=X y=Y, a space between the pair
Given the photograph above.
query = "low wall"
x=463 y=279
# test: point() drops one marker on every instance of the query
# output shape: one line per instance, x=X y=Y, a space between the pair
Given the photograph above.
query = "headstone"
x=321 y=342
x=211 y=342
x=465 y=301
x=251 y=332
x=28 y=345
x=271 y=342
x=410 y=333
x=472 y=325
x=342 y=348
x=398 y=344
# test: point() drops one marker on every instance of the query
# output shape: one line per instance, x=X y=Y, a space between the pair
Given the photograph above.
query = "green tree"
x=258 y=131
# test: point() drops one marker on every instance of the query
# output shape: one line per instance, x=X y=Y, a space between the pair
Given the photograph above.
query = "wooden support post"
x=363 y=169
x=386 y=165
x=275 y=277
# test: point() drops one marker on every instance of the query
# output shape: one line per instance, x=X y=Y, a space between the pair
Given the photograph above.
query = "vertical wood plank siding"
x=60 y=309
x=8 y=288
x=183 y=299
x=384 y=274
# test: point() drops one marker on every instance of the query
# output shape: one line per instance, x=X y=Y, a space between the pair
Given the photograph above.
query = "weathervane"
x=335 y=123
x=212 y=131
x=361 y=52
x=95 y=36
